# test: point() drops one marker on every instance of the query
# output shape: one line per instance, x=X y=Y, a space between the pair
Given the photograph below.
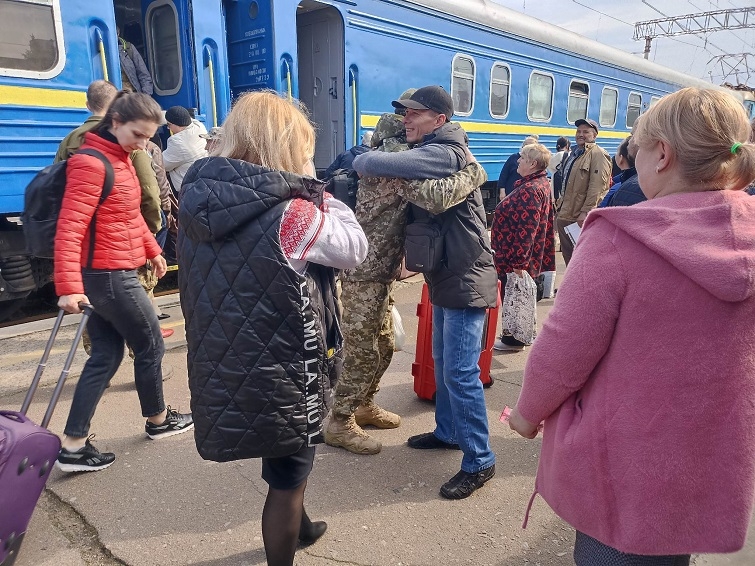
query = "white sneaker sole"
x=81 y=467
x=171 y=433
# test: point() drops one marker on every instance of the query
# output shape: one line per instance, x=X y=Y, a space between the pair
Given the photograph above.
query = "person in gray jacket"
x=134 y=73
x=461 y=288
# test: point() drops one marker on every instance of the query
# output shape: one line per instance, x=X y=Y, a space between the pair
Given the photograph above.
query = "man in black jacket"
x=346 y=158
x=461 y=287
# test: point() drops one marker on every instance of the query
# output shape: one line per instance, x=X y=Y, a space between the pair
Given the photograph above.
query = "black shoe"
x=174 y=423
x=162 y=316
x=464 y=484
x=428 y=441
x=311 y=531
x=85 y=459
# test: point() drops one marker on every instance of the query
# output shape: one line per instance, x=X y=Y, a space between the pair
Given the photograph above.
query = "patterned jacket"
x=522 y=231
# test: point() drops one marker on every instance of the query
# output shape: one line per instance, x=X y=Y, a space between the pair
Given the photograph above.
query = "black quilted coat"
x=264 y=347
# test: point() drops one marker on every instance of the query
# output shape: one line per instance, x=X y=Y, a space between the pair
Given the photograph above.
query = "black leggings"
x=590 y=552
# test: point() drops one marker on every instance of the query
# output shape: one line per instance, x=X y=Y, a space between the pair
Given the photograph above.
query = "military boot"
x=371 y=414
x=347 y=434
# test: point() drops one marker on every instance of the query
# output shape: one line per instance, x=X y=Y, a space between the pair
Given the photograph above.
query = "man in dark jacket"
x=461 y=287
x=345 y=159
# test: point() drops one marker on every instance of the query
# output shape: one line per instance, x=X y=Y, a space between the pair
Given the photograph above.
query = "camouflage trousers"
x=367 y=326
x=148 y=281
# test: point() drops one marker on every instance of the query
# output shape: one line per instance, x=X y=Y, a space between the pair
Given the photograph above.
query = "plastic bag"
x=520 y=307
x=398 y=331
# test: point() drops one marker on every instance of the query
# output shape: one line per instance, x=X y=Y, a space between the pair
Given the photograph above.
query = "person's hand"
x=501 y=194
x=581 y=218
x=70 y=303
x=468 y=154
x=159 y=266
x=521 y=426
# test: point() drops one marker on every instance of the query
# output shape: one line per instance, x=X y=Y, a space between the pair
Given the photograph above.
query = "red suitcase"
x=28 y=453
x=423 y=368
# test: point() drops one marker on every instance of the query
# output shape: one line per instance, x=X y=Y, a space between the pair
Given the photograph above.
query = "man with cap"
x=184 y=146
x=462 y=286
x=366 y=295
x=586 y=175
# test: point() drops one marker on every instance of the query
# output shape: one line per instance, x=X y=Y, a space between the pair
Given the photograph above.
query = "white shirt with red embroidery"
x=328 y=236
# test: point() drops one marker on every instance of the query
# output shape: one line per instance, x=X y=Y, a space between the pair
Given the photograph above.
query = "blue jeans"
x=162 y=235
x=122 y=313
x=460 y=413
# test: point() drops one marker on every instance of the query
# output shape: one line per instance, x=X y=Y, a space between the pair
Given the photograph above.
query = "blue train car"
x=509 y=75
x=50 y=50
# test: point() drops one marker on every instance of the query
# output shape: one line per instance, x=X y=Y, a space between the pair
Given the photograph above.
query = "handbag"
x=423 y=246
x=520 y=307
x=399 y=335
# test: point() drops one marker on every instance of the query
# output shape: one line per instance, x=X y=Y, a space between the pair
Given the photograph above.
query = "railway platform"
x=160 y=503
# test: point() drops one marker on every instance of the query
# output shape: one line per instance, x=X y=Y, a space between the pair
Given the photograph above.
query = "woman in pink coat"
x=644 y=372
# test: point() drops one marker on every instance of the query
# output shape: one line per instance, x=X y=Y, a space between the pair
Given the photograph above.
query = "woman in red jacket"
x=98 y=247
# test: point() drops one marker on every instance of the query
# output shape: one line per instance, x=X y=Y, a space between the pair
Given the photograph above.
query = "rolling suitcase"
x=28 y=452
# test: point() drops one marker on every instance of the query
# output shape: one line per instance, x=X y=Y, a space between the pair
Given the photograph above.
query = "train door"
x=183 y=43
x=320 y=52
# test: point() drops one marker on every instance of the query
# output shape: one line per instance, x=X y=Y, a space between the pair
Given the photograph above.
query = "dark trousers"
x=567 y=247
x=590 y=552
x=122 y=313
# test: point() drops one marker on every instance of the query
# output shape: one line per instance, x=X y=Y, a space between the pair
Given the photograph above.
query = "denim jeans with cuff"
x=460 y=413
x=122 y=313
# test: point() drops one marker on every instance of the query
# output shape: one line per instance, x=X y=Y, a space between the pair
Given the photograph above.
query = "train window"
x=634 y=105
x=164 y=47
x=579 y=96
x=540 y=97
x=462 y=85
x=30 y=38
x=609 y=103
x=653 y=100
x=500 y=87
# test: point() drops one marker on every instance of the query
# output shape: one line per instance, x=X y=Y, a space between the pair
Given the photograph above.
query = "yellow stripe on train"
x=371 y=120
x=45 y=97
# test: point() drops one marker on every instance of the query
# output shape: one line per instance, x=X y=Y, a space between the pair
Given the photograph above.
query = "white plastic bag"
x=398 y=330
x=520 y=307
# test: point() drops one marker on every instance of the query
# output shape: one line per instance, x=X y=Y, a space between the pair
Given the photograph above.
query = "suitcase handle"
x=13 y=415
x=87 y=311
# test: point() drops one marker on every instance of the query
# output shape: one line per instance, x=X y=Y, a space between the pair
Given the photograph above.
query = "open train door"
x=186 y=48
x=320 y=52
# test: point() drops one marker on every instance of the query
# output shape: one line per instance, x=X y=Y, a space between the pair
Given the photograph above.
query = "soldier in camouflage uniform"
x=367 y=322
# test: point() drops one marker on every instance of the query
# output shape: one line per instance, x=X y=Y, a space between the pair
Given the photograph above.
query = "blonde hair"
x=529 y=140
x=268 y=130
x=708 y=131
x=538 y=153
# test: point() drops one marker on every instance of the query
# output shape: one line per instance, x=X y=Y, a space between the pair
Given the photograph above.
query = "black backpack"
x=343 y=184
x=42 y=201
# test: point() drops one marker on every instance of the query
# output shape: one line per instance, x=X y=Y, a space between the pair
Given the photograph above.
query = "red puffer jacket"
x=122 y=239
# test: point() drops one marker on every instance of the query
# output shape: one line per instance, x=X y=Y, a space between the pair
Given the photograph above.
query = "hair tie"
x=735 y=147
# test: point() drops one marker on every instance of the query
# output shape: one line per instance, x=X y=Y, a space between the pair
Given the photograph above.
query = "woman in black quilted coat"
x=258 y=245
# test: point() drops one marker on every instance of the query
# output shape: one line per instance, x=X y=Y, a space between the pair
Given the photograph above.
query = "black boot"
x=310 y=531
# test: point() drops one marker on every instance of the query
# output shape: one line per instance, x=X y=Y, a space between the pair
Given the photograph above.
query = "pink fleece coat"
x=645 y=376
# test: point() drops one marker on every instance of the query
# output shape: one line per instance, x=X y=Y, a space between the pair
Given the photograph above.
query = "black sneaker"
x=174 y=423
x=86 y=459
x=428 y=441
x=464 y=484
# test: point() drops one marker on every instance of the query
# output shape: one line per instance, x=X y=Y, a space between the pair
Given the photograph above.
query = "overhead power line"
x=704 y=22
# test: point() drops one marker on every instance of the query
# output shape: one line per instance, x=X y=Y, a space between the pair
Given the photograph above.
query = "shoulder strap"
x=107 y=188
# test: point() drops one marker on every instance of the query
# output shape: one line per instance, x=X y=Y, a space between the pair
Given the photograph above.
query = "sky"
x=612 y=22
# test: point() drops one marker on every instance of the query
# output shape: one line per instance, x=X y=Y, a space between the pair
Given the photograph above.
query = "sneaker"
x=464 y=484
x=503 y=347
x=428 y=441
x=371 y=414
x=167 y=332
x=174 y=423
x=85 y=459
x=347 y=434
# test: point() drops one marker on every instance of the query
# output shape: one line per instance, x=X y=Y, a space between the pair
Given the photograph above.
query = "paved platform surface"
x=160 y=503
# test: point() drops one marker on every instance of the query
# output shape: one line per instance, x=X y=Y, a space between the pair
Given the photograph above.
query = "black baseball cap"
x=428 y=98
x=582 y=122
